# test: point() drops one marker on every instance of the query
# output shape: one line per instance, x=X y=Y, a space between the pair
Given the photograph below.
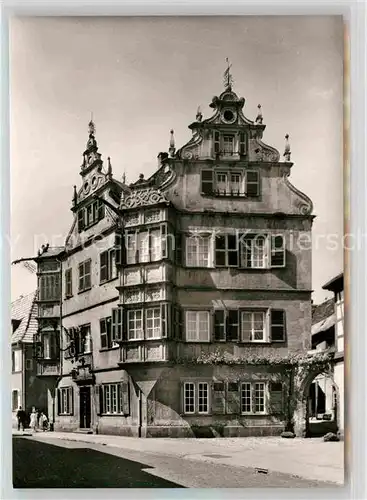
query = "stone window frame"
x=197 y=312
x=194 y=396
x=253 y=397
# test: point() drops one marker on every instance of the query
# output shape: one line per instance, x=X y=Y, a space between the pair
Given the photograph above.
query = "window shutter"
x=252 y=183
x=233 y=325
x=179 y=245
x=100 y=209
x=58 y=401
x=207 y=182
x=98 y=391
x=81 y=223
x=71 y=395
x=233 y=398
x=277 y=251
x=276 y=398
x=165 y=320
x=125 y=398
x=119 y=247
x=277 y=325
x=216 y=142
x=219 y=325
x=246 y=320
x=117 y=324
x=164 y=241
x=178 y=323
x=243 y=144
x=218 y=398
x=103 y=266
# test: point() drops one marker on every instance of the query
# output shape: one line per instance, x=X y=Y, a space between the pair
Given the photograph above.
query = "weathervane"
x=91 y=126
x=228 y=78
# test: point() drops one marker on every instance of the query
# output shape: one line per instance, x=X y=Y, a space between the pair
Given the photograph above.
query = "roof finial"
x=199 y=115
x=109 y=168
x=91 y=125
x=228 y=78
x=172 y=148
x=259 y=118
x=287 y=149
x=75 y=196
x=124 y=178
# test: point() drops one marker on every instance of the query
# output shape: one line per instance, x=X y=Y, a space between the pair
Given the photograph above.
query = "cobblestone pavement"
x=310 y=459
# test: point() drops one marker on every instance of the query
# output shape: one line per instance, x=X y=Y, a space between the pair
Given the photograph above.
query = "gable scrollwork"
x=143 y=197
x=303 y=204
x=191 y=150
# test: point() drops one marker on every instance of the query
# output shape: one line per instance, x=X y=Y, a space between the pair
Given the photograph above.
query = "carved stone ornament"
x=304 y=203
x=143 y=197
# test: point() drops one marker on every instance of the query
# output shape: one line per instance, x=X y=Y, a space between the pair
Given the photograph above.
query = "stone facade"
x=204 y=258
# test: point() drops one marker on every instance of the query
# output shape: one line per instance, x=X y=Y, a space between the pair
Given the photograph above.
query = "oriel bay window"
x=148 y=323
x=146 y=245
x=225 y=182
x=49 y=286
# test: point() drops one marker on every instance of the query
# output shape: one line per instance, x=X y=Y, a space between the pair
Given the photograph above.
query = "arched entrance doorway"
x=318 y=407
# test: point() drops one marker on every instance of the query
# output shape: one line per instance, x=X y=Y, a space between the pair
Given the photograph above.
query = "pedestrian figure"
x=34 y=418
x=21 y=418
x=43 y=422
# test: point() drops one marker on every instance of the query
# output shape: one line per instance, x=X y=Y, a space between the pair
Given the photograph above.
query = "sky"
x=140 y=77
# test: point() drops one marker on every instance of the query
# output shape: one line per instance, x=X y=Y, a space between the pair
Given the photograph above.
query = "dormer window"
x=230 y=183
x=228 y=144
x=90 y=214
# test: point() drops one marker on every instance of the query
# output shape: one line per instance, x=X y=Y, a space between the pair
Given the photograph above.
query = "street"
x=56 y=463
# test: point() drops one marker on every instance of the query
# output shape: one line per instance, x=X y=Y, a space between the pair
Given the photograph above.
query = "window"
x=203 y=397
x=254 y=326
x=90 y=214
x=277 y=251
x=197 y=326
x=226 y=325
x=189 y=397
x=85 y=275
x=65 y=401
x=237 y=182
x=29 y=364
x=17 y=360
x=49 y=287
x=254 y=397
x=108 y=269
x=105 y=325
x=83 y=339
x=15 y=400
x=254 y=251
x=135 y=324
x=153 y=323
x=207 y=182
x=252 y=183
x=144 y=246
x=196 y=398
x=68 y=283
x=117 y=331
x=198 y=251
x=221 y=184
x=226 y=250
x=50 y=345
x=228 y=144
x=114 y=398
x=260 y=251
x=277 y=325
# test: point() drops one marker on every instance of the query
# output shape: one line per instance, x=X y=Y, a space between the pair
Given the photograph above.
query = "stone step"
x=83 y=431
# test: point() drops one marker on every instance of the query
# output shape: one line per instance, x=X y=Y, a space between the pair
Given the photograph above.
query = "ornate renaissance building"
x=179 y=290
